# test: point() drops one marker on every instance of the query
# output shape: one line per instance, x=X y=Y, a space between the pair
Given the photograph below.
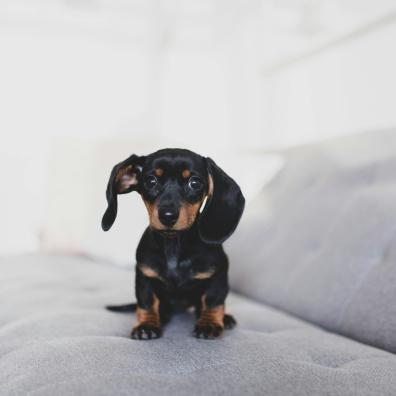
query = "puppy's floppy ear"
x=123 y=179
x=224 y=206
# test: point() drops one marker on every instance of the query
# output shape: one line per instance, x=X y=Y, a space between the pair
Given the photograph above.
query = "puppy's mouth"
x=169 y=233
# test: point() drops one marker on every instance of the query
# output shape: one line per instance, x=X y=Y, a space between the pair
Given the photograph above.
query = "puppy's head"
x=174 y=184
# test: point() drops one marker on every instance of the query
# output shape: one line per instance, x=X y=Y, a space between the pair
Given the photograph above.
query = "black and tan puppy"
x=180 y=261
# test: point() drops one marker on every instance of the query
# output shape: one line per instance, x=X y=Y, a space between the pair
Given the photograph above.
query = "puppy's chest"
x=177 y=267
x=172 y=255
x=180 y=267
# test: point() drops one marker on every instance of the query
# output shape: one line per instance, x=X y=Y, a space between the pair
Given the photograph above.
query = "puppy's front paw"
x=145 y=331
x=209 y=331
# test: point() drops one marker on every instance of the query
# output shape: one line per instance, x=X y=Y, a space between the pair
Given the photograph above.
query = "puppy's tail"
x=122 y=308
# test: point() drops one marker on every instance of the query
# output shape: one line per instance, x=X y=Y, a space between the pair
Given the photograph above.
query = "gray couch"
x=313 y=278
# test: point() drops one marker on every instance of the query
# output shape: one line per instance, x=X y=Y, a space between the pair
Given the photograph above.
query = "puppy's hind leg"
x=229 y=322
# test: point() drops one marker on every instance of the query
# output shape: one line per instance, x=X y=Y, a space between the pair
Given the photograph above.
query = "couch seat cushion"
x=56 y=339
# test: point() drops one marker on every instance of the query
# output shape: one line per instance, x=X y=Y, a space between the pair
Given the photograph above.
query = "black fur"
x=178 y=266
x=224 y=208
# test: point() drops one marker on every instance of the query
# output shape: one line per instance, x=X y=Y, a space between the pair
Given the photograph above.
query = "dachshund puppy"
x=193 y=207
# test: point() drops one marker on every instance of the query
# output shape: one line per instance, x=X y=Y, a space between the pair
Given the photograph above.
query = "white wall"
x=85 y=83
x=347 y=88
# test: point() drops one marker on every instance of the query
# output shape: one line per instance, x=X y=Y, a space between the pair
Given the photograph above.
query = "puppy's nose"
x=168 y=217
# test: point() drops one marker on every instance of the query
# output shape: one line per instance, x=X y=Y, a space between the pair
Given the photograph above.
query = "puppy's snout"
x=168 y=216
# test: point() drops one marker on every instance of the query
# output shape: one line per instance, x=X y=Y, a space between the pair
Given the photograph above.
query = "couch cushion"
x=56 y=339
x=320 y=240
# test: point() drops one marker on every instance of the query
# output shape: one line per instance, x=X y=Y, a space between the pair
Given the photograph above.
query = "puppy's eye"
x=151 y=181
x=195 y=183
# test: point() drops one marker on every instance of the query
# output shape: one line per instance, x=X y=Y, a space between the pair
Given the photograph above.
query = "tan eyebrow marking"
x=159 y=172
x=186 y=173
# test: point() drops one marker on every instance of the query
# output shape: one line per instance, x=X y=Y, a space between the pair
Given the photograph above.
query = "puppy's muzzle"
x=168 y=216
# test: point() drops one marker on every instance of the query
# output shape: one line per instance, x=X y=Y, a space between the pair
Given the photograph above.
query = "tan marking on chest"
x=203 y=275
x=149 y=272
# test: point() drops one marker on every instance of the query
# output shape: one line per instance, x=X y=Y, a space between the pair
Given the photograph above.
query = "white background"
x=83 y=84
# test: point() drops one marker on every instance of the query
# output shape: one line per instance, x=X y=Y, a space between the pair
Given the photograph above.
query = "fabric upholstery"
x=56 y=339
x=320 y=240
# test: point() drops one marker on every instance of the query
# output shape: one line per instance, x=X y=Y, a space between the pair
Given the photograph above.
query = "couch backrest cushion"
x=320 y=240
